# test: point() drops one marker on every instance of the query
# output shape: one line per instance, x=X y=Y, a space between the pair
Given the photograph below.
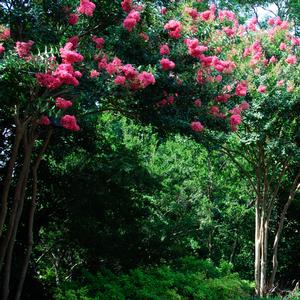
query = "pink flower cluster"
x=126 y=5
x=192 y=12
x=2 y=49
x=70 y=56
x=226 y=15
x=62 y=103
x=44 y=120
x=167 y=64
x=164 y=50
x=5 y=34
x=255 y=51
x=73 y=19
x=167 y=100
x=23 y=49
x=75 y=41
x=241 y=89
x=194 y=48
x=174 y=29
x=94 y=74
x=86 y=8
x=99 y=41
x=126 y=75
x=64 y=73
x=262 y=89
x=131 y=20
x=69 y=122
x=197 y=126
x=278 y=23
x=236 y=118
x=208 y=15
x=291 y=59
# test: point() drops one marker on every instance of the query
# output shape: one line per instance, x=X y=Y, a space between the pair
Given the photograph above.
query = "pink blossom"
x=74 y=40
x=214 y=110
x=192 y=12
x=102 y=64
x=44 y=120
x=170 y=100
x=284 y=25
x=146 y=79
x=144 y=36
x=197 y=126
x=236 y=110
x=194 y=48
x=235 y=120
x=200 y=78
x=94 y=74
x=114 y=66
x=5 y=34
x=174 y=29
x=244 y=105
x=73 y=19
x=163 y=10
x=219 y=78
x=67 y=75
x=164 y=50
x=131 y=20
x=262 y=89
x=241 y=90
x=230 y=32
x=126 y=5
x=247 y=52
x=282 y=46
x=272 y=60
x=292 y=60
x=227 y=88
x=99 y=41
x=271 y=21
x=280 y=83
x=120 y=80
x=162 y=103
x=70 y=56
x=86 y=8
x=129 y=23
x=295 y=41
x=62 y=103
x=2 y=49
x=223 y=98
x=129 y=71
x=48 y=80
x=167 y=64
x=69 y=122
x=198 y=102
x=23 y=48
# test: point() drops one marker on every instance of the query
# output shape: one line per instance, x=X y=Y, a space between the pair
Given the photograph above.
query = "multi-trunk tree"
x=180 y=68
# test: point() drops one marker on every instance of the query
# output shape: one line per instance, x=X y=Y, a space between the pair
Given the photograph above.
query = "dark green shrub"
x=188 y=278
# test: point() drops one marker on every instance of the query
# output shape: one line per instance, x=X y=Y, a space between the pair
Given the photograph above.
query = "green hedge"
x=188 y=278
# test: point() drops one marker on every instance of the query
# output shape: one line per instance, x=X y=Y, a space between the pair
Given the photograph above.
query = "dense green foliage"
x=136 y=205
x=187 y=279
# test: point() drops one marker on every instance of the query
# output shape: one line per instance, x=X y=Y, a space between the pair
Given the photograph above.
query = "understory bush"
x=188 y=278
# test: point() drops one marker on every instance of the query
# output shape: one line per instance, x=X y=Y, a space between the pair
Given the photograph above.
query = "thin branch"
x=242 y=170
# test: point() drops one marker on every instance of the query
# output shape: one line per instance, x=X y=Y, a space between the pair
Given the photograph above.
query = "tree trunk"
x=8 y=178
x=31 y=216
x=15 y=218
x=16 y=201
x=257 y=246
x=294 y=188
x=264 y=254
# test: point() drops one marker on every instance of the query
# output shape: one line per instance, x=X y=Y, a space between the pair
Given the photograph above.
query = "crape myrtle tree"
x=179 y=67
x=259 y=63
